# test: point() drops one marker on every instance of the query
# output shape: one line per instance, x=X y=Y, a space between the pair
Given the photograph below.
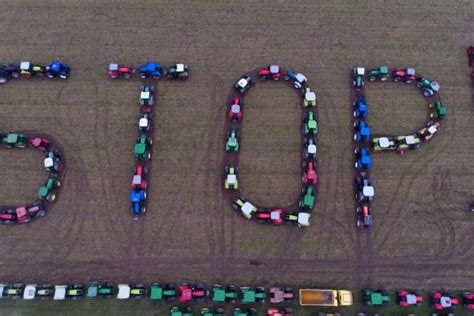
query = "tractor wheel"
x=144 y=195
x=149 y=155
x=235 y=206
x=356 y=151
x=127 y=75
x=383 y=79
x=356 y=137
x=372 y=78
x=354 y=113
x=396 y=79
x=358 y=210
x=408 y=81
x=356 y=124
x=356 y=165
x=58 y=184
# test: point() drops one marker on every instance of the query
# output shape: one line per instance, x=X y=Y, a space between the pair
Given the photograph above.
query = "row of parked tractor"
x=365 y=143
x=53 y=164
x=27 y=69
x=143 y=144
x=275 y=216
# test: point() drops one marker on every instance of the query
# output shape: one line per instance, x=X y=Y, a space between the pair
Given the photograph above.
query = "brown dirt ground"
x=423 y=234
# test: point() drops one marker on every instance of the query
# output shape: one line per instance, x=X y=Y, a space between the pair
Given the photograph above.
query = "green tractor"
x=142 y=149
x=178 y=71
x=427 y=86
x=75 y=291
x=181 y=311
x=251 y=295
x=310 y=125
x=439 y=111
x=232 y=143
x=245 y=312
x=207 y=311
x=222 y=294
x=100 y=289
x=14 y=140
x=156 y=292
x=358 y=77
x=375 y=297
x=307 y=198
x=48 y=191
x=309 y=97
x=380 y=73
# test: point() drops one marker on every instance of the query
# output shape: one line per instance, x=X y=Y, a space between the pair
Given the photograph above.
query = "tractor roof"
x=383 y=69
x=312 y=149
x=432 y=129
x=145 y=95
x=275 y=215
x=242 y=82
x=274 y=69
x=360 y=71
x=156 y=292
x=25 y=65
x=303 y=219
x=92 y=291
x=124 y=291
x=48 y=162
x=365 y=131
x=411 y=71
x=410 y=299
x=43 y=191
x=143 y=122
x=232 y=178
x=368 y=191
x=235 y=108
x=137 y=179
x=140 y=148
x=180 y=67
x=113 y=67
x=434 y=86
x=59 y=292
x=384 y=142
x=310 y=96
x=29 y=292
x=12 y=138
x=248 y=208
x=411 y=139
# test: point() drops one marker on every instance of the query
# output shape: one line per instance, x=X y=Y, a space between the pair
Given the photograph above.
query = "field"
x=422 y=235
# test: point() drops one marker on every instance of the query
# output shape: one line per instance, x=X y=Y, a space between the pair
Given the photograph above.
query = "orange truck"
x=318 y=297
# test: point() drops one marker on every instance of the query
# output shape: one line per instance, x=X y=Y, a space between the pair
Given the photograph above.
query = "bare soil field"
x=422 y=235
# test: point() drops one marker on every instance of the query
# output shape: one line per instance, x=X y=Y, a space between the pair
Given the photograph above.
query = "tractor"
x=231 y=181
x=8 y=216
x=139 y=177
x=178 y=71
x=384 y=143
x=243 y=84
x=36 y=209
x=169 y=292
x=244 y=312
x=274 y=216
x=100 y=289
x=235 y=110
x=309 y=97
x=307 y=198
x=251 y=295
x=309 y=173
x=232 y=143
x=282 y=311
x=443 y=300
x=271 y=72
x=280 y=295
x=144 y=123
x=119 y=71
x=439 y=111
x=310 y=124
x=137 y=201
x=221 y=294
x=380 y=73
x=28 y=70
x=142 y=149
x=375 y=297
x=150 y=70
x=297 y=79
x=75 y=291
x=13 y=71
x=187 y=292
x=364 y=216
x=428 y=87
x=362 y=133
x=181 y=311
x=409 y=298
x=358 y=77
x=39 y=143
x=406 y=75
x=147 y=93
x=14 y=140
x=137 y=291
x=22 y=215
x=44 y=292
x=363 y=159
x=13 y=291
x=309 y=149
x=3 y=74
x=426 y=133
x=48 y=191
x=58 y=69
x=468 y=300
x=207 y=311
x=364 y=189
x=156 y=292
x=408 y=142
x=52 y=162
x=247 y=208
x=361 y=109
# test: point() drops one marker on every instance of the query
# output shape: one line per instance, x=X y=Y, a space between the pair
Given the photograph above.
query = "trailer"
x=323 y=297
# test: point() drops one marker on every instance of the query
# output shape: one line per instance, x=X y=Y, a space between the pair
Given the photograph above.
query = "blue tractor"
x=137 y=200
x=150 y=70
x=361 y=109
x=362 y=133
x=57 y=69
x=298 y=79
x=363 y=159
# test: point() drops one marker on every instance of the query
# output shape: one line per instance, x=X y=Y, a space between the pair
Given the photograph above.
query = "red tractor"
x=39 y=143
x=309 y=173
x=271 y=72
x=407 y=75
x=468 y=299
x=409 y=298
x=139 y=178
x=187 y=292
x=115 y=71
x=235 y=110
x=442 y=301
x=283 y=311
x=274 y=216
x=279 y=295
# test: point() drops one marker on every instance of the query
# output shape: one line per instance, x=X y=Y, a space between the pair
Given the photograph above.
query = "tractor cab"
x=22 y=215
x=156 y=292
x=123 y=291
x=59 y=292
x=309 y=97
x=30 y=292
x=243 y=84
